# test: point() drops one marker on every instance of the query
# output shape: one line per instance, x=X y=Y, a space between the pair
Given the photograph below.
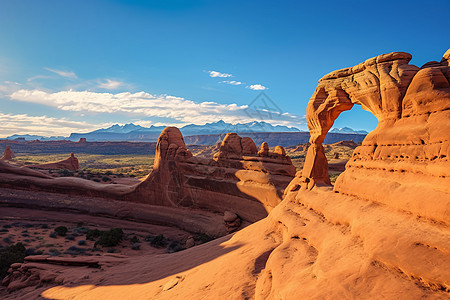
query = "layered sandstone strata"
x=239 y=178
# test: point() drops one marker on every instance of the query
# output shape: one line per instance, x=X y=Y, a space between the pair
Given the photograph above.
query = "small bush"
x=74 y=250
x=106 y=178
x=96 y=180
x=203 y=237
x=92 y=234
x=134 y=239
x=158 y=241
x=136 y=246
x=54 y=252
x=61 y=230
x=110 y=238
x=32 y=251
x=81 y=242
x=9 y=255
x=111 y=250
x=70 y=237
x=52 y=235
x=174 y=246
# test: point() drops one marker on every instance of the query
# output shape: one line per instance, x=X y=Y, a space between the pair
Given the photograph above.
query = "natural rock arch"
x=412 y=136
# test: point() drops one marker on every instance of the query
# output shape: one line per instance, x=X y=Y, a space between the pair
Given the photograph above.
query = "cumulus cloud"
x=142 y=104
x=42 y=125
x=65 y=74
x=257 y=87
x=232 y=82
x=110 y=84
x=218 y=74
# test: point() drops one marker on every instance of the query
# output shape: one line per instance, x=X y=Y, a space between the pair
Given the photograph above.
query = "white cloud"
x=42 y=125
x=110 y=84
x=218 y=74
x=257 y=87
x=142 y=104
x=66 y=74
x=232 y=82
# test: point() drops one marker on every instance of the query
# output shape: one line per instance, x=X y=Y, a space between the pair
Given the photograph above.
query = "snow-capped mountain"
x=348 y=130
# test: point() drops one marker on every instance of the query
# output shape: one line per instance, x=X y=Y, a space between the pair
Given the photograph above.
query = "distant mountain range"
x=137 y=133
x=348 y=130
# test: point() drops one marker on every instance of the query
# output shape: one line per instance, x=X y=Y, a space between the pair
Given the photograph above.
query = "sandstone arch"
x=408 y=151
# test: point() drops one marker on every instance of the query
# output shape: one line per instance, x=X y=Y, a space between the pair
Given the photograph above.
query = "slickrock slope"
x=353 y=241
x=8 y=154
x=70 y=163
x=238 y=179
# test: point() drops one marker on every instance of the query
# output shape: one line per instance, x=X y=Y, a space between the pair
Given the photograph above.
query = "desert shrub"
x=203 y=237
x=52 y=235
x=61 y=230
x=9 y=255
x=7 y=226
x=134 y=239
x=81 y=242
x=174 y=246
x=106 y=178
x=136 y=246
x=70 y=237
x=65 y=173
x=96 y=180
x=92 y=234
x=158 y=241
x=54 y=252
x=74 y=250
x=109 y=173
x=81 y=230
x=110 y=238
x=111 y=250
x=32 y=251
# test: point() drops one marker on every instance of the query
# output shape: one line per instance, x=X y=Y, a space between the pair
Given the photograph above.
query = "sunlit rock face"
x=239 y=178
x=404 y=161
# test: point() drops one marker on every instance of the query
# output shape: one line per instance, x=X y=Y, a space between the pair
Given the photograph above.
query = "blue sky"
x=75 y=66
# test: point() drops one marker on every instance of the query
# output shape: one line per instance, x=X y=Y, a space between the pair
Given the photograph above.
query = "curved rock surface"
x=408 y=153
x=239 y=178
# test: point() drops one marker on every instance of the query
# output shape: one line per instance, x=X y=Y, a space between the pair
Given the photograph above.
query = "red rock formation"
x=8 y=154
x=408 y=152
x=69 y=164
x=239 y=178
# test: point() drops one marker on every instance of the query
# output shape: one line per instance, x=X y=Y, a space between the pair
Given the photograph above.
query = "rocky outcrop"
x=69 y=164
x=8 y=154
x=239 y=178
